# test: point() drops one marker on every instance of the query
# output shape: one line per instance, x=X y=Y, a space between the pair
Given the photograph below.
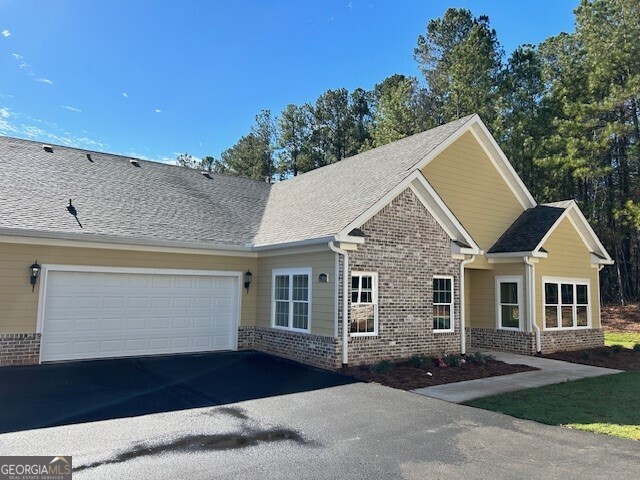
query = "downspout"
x=463 y=328
x=533 y=325
x=345 y=301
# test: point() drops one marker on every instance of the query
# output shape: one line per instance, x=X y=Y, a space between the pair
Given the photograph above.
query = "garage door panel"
x=94 y=315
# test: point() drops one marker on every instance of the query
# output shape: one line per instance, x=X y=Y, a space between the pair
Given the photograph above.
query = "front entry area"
x=88 y=313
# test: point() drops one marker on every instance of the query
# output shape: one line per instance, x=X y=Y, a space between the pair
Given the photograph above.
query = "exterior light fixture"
x=34 y=270
x=323 y=278
x=247 y=279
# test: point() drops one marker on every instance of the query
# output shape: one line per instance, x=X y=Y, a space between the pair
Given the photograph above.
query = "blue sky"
x=157 y=78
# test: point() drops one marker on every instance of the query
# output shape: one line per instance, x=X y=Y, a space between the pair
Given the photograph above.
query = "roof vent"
x=206 y=174
x=134 y=162
x=47 y=148
x=89 y=157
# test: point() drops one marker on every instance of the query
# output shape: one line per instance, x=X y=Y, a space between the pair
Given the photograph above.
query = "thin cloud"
x=157 y=110
x=124 y=94
x=17 y=56
x=23 y=66
x=24 y=126
x=71 y=109
x=6 y=33
x=5 y=112
x=44 y=80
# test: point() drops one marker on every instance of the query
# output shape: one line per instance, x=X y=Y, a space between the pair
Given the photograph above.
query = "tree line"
x=566 y=113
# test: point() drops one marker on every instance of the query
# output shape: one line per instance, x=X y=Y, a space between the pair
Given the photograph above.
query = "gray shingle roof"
x=530 y=227
x=165 y=203
x=154 y=202
x=323 y=202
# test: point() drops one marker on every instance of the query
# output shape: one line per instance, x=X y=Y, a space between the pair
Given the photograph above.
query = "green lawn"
x=607 y=404
x=626 y=339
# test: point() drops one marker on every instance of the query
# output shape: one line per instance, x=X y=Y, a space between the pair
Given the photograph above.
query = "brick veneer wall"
x=19 y=348
x=554 y=341
x=407 y=247
x=525 y=342
x=311 y=349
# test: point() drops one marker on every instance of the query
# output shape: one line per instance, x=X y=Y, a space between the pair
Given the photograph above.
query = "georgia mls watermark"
x=35 y=468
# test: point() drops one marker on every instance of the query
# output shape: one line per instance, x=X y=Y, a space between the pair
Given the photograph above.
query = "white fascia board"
x=584 y=223
x=298 y=243
x=446 y=143
x=533 y=253
x=350 y=239
x=596 y=260
x=439 y=210
x=458 y=250
x=495 y=154
x=501 y=162
x=582 y=228
x=56 y=239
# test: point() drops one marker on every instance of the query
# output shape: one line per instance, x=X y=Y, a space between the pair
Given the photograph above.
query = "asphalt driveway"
x=356 y=431
x=47 y=395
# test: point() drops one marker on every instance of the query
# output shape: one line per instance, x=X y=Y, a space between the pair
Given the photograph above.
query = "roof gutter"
x=463 y=328
x=345 y=302
x=38 y=237
x=531 y=304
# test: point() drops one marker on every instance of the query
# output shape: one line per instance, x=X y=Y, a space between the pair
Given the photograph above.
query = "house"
x=442 y=247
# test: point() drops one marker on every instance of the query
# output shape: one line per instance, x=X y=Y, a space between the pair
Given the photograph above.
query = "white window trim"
x=451 y=305
x=374 y=301
x=574 y=282
x=517 y=279
x=290 y=272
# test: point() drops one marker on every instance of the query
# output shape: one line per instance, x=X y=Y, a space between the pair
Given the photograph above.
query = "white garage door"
x=101 y=315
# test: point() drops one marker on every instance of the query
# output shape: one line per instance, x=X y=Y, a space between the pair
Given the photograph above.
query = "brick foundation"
x=525 y=342
x=562 y=340
x=316 y=350
x=19 y=348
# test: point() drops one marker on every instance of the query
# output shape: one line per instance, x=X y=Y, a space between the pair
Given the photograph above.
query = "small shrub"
x=439 y=362
x=382 y=366
x=452 y=359
x=479 y=358
x=421 y=361
x=636 y=347
x=585 y=355
x=617 y=348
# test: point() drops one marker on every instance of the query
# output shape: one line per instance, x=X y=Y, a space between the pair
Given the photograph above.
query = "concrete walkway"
x=550 y=371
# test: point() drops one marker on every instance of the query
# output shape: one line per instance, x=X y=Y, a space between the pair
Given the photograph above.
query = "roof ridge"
x=346 y=160
x=126 y=157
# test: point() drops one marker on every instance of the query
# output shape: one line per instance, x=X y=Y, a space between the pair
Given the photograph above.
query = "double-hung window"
x=566 y=303
x=509 y=302
x=363 y=315
x=443 y=303
x=291 y=299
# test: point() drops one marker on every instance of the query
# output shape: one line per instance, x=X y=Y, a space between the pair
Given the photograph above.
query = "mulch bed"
x=404 y=376
x=608 y=357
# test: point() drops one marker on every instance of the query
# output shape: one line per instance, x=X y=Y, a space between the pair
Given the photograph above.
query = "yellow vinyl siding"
x=482 y=291
x=19 y=306
x=568 y=257
x=471 y=186
x=323 y=294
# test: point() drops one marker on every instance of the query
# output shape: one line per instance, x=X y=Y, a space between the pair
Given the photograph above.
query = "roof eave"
x=521 y=254
x=9 y=235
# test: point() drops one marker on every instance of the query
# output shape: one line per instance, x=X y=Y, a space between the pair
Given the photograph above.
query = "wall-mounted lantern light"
x=34 y=270
x=247 y=279
x=323 y=278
